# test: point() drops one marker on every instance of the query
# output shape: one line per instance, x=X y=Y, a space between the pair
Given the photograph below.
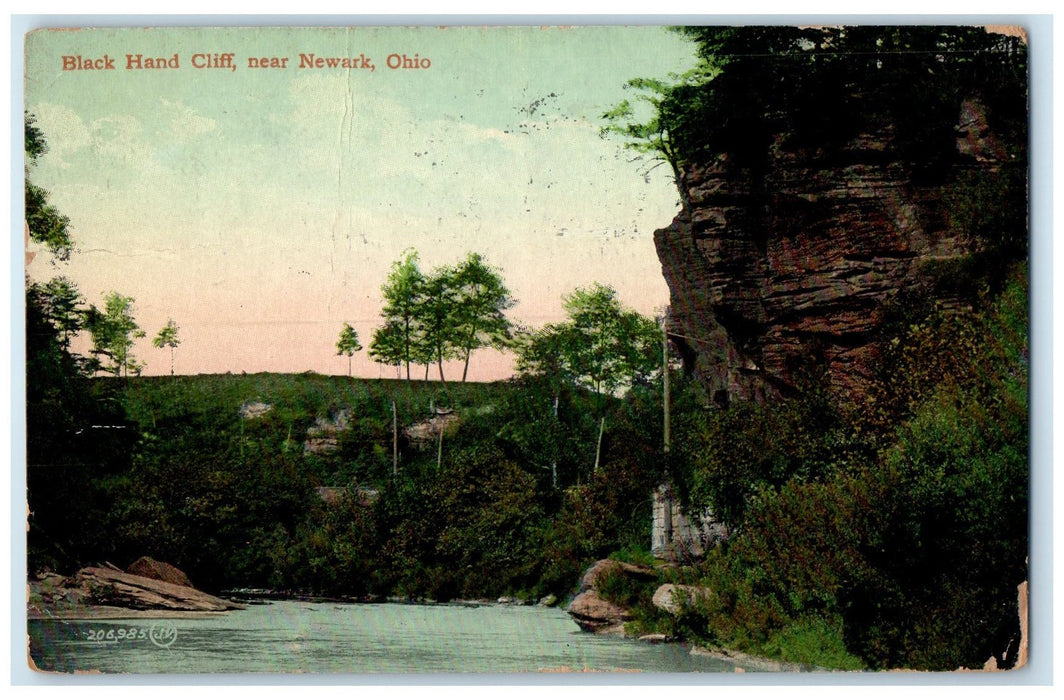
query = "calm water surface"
x=292 y=636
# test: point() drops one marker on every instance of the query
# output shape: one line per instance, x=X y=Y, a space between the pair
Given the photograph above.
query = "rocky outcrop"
x=671 y=597
x=765 y=268
x=427 y=432
x=324 y=436
x=250 y=410
x=593 y=613
x=108 y=592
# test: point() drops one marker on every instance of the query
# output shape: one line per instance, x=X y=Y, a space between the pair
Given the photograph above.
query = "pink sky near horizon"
x=261 y=210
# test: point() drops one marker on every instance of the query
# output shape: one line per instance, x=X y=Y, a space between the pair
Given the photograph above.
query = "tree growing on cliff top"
x=113 y=333
x=655 y=135
x=348 y=344
x=167 y=338
x=819 y=86
x=481 y=300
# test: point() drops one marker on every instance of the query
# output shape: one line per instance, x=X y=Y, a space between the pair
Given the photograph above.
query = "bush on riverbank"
x=903 y=546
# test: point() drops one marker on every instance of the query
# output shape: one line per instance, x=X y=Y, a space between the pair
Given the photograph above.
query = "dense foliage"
x=234 y=500
x=896 y=526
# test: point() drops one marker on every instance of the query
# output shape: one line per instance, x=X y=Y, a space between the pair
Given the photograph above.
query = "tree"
x=602 y=347
x=387 y=345
x=67 y=461
x=820 y=86
x=655 y=135
x=481 y=298
x=348 y=344
x=403 y=294
x=61 y=303
x=46 y=225
x=113 y=333
x=167 y=338
x=438 y=314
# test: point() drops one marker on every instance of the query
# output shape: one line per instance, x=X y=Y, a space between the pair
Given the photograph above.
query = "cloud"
x=185 y=123
x=118 y=142
x=64 y=131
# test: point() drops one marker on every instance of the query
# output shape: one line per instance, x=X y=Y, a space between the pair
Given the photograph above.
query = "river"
x=291 y=636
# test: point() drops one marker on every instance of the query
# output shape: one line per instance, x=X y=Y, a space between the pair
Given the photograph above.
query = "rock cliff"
x=800 y=256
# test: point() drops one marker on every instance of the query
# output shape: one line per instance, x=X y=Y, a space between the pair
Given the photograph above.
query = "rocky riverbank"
x=147 y=589
x=594 y=613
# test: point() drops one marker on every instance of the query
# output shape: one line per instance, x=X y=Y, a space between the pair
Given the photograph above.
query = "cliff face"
x=765 y=268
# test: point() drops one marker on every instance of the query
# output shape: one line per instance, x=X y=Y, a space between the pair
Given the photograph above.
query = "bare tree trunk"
x=665 y=382
x=468 y=352
x=554 y=461
x=598 y=448
x=395 y=441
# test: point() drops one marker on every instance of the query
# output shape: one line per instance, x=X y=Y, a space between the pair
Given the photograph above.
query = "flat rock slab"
x=120 y=589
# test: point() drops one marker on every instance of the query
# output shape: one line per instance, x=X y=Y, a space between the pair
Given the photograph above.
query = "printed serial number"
x=117 y=635
x=159 y=635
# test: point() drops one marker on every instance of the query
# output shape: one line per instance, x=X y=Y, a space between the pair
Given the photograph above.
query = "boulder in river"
x=593 y=613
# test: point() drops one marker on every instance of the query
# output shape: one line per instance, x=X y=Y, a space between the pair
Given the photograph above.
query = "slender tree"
x=403 y=294
x=167 y=338
x=62 y=305
x=439 y=337
x=348 y=344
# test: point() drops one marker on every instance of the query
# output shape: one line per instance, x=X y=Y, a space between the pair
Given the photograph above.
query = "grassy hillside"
x=216 y=477
x=204 y=411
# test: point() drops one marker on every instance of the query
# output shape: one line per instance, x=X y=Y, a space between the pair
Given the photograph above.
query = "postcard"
x=511 y=349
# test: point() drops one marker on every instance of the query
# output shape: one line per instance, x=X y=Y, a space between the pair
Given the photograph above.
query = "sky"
x=261 y=208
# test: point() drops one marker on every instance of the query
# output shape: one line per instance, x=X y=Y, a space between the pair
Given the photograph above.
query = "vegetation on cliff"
x=885 y=527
